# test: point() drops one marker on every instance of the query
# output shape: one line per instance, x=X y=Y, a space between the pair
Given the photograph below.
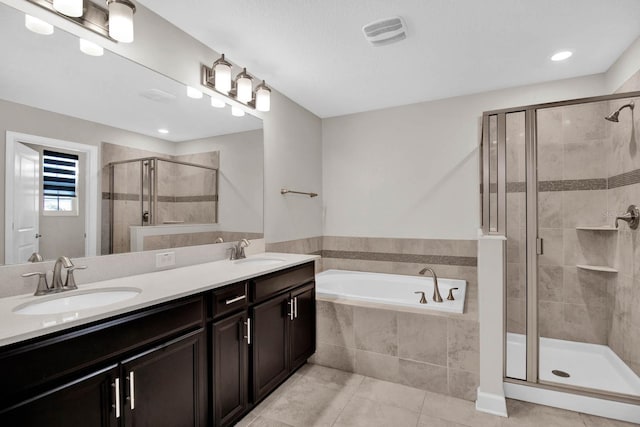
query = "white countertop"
x=156 y=287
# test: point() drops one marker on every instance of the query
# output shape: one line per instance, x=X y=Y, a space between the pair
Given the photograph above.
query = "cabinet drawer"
x=229 y=299
x=29 y=368
x=267 y=286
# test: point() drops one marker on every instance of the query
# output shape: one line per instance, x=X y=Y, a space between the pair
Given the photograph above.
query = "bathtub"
x=389 y=289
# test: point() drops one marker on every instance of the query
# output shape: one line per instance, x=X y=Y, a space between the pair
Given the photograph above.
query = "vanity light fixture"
x=115 y=22
x=217 y=103
x=193 y=93
x=218 y=78
x=263 y=97
x=90 y=48
x=37 y=25
x=237 y=111
x=244 y=86
x=121 y=20
x=72 y=8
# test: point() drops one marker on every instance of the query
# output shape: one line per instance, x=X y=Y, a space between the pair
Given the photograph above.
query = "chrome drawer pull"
x=290 y=313
x=248 y=337
x=132 y=391
x=236 y=299
x=295 y=307
x=117 y=393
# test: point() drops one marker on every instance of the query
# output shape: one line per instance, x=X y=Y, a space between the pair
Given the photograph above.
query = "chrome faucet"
x=631 y=216
x=237 y=251
x=436 y=291
x=57 y=285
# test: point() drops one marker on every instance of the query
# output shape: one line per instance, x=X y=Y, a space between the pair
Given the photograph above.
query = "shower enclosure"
x=153 y=191
x=555 y=177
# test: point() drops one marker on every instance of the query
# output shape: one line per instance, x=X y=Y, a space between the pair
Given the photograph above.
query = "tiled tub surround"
x=435 y=351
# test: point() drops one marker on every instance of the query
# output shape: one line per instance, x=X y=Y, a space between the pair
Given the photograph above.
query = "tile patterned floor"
x=319 y=396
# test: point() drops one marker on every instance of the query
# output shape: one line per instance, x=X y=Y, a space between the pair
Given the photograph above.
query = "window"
x=59 y=183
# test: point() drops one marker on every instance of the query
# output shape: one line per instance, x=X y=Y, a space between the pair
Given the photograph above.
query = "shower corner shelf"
x=600 y=228
x=601 y=268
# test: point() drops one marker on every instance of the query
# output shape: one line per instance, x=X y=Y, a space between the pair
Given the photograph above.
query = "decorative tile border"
x=627 y=178
x=621 y=180
x=169 y=199
x=397 y=257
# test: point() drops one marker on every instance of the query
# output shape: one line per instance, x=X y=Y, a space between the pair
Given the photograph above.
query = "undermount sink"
x=74 y=301
x=261 y=261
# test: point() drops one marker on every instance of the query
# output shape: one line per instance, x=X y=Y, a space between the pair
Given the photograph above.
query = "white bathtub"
x=393 y=289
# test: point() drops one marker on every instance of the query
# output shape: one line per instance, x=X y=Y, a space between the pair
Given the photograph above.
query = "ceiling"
x=314 y=52
x=109 y=89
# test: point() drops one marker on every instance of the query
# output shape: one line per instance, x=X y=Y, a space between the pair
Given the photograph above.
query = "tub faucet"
x=436 y=291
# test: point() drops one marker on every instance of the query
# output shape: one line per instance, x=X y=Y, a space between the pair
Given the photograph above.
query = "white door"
x=26 y=203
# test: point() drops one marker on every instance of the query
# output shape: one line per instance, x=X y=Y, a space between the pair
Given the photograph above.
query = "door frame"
x=91 y=185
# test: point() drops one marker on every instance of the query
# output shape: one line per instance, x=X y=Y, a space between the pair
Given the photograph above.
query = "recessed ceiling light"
x=37 y=25
x=163 y=131
x=91 y=48
x=193 y=93
x=561 y=56
x=218 y=103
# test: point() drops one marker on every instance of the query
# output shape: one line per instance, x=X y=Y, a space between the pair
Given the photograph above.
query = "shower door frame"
x=533 y=244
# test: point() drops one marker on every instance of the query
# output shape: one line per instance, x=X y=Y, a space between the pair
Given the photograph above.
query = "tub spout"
x=436 y=291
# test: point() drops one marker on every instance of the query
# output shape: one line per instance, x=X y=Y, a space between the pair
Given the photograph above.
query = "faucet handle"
x=423 y=298
x=70 y=282
x=450 y=296
x=43 y=284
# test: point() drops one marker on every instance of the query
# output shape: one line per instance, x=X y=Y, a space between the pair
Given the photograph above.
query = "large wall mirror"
x=102 y=155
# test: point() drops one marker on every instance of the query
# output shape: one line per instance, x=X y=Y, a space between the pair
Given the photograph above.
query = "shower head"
x=613 y=117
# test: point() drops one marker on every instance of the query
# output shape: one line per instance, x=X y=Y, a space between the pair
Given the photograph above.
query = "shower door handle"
x=539 y=246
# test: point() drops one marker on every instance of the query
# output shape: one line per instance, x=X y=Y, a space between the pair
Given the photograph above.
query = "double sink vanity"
x=193 y=346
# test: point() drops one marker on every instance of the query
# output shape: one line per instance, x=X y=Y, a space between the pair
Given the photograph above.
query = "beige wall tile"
x=463 y=384
x=463 y=345
x=376 y=330
x=335 y=324
x=335 y=357
x=424 y=376
x=422 y=338
x=376 y=365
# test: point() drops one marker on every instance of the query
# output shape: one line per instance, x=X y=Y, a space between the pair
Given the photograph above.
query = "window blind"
x=60 y=174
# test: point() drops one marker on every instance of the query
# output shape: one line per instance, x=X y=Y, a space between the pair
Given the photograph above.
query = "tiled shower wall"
x=624 y=190
x=433 y=351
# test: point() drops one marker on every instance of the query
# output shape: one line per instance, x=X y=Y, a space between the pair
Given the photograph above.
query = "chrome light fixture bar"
x=96 y=19
x=218 y=78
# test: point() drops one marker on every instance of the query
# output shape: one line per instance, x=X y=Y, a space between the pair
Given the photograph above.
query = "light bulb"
x=237 y=111
x=121 y=20
x=37 y=25
x=91 y=48
x=244 y=88
x=561 y=56
x=222 y=81
x=69 y=7
x=193 y=93
x=218 y=103
x=263 y=97
x=163 y=131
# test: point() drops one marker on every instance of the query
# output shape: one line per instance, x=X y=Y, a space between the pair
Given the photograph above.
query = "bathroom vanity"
x=205 y=358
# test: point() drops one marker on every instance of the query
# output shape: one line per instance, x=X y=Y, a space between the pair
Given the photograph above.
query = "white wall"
x=240 y=178
x=412 y=171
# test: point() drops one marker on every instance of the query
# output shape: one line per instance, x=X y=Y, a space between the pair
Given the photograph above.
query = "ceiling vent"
x=385 y=31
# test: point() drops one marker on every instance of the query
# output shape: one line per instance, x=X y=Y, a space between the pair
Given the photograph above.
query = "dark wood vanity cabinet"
x=284 y=327
x=197 y=361
x=144 y=368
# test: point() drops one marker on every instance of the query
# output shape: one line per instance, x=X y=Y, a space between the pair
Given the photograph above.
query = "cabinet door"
x=270 y=345
x=165 y=386
x=88 y=401
x=303 y=326
x=230 y=366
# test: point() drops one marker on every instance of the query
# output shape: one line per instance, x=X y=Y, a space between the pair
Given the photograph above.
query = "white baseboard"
x=495 y=404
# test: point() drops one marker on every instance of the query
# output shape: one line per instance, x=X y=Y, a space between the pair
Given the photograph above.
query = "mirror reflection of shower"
x=155 y=191
x=613 y=117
